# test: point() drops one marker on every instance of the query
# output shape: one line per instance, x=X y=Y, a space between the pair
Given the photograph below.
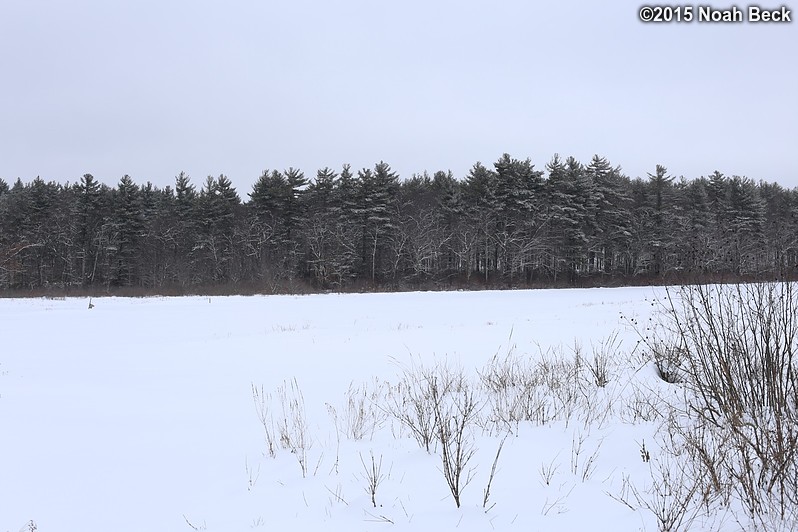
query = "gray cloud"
x=153 y=88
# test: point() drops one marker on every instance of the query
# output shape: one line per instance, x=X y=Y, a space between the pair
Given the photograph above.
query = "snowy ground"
x=139 y=415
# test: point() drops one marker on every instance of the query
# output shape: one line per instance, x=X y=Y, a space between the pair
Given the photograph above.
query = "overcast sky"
x=152 y=88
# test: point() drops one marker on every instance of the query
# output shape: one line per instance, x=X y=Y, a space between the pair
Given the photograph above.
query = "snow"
x=138 y=414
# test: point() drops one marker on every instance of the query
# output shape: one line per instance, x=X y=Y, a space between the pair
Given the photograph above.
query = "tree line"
x=507 y=225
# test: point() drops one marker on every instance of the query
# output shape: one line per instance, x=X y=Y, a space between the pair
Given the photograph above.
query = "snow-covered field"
x=139 y=413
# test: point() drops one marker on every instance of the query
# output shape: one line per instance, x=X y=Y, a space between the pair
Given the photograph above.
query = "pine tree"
x=269 y=197
x=498 y=223
x=321 y=214
x=183 y=238
x=128 y=228
x=277 y=203
x=658 y=242
x=745 y=219
x=347 y=260
x=612 y=238
x=217 y=205
x=88 y=220
x=518 y=190
x=377 y=197
x=41 y=231
x=692 y=232
x=14 y=204
x=449 y=209
x=185 y=199
x=158 y=207
x=778 y=226
x=294 y=209
x=567 y=215
x=320 y=192
x=482 y=210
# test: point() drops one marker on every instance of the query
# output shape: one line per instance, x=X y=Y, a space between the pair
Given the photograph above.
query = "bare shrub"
x=334 y=415
x=373 y=475
x=741 y=342
x=661 y=344
x=412 y=404
x=486 y=491
x=439 y=406
x=604 y=354
x=643 y=404
x=361 y=417
x=292 y=424
x=512 y=387
x=263 y=409
x=583 y=465
x=669 y=359
x=252 y=475
x=555 y=387
x=705 y=451
x=671 y=495
x=547 y=471
x=563 y=381
x=506 y=372
x=456 y=409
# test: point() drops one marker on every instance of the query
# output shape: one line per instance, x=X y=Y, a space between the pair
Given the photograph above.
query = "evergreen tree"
x=129 y=229
x=779 y=226
x=185 y=200
x=320 y=192
x=88 y=219
x=377 y=197
x=482 y=210
x=269 y=200
x=347 y=260
x=567 y=214
x=217 y=205
x=14 y=204
x=320 y=204
x=745 y=217
x=612 y=238
x=158 y=210
x=518 y=191
x=279 y=211
x=183 y=237
x=41 y=231
x=504 y=222
x=660 y=203
x=694 y=233
x=294 y=209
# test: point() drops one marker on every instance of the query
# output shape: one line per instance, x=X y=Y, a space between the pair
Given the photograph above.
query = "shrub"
x=740 y=343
